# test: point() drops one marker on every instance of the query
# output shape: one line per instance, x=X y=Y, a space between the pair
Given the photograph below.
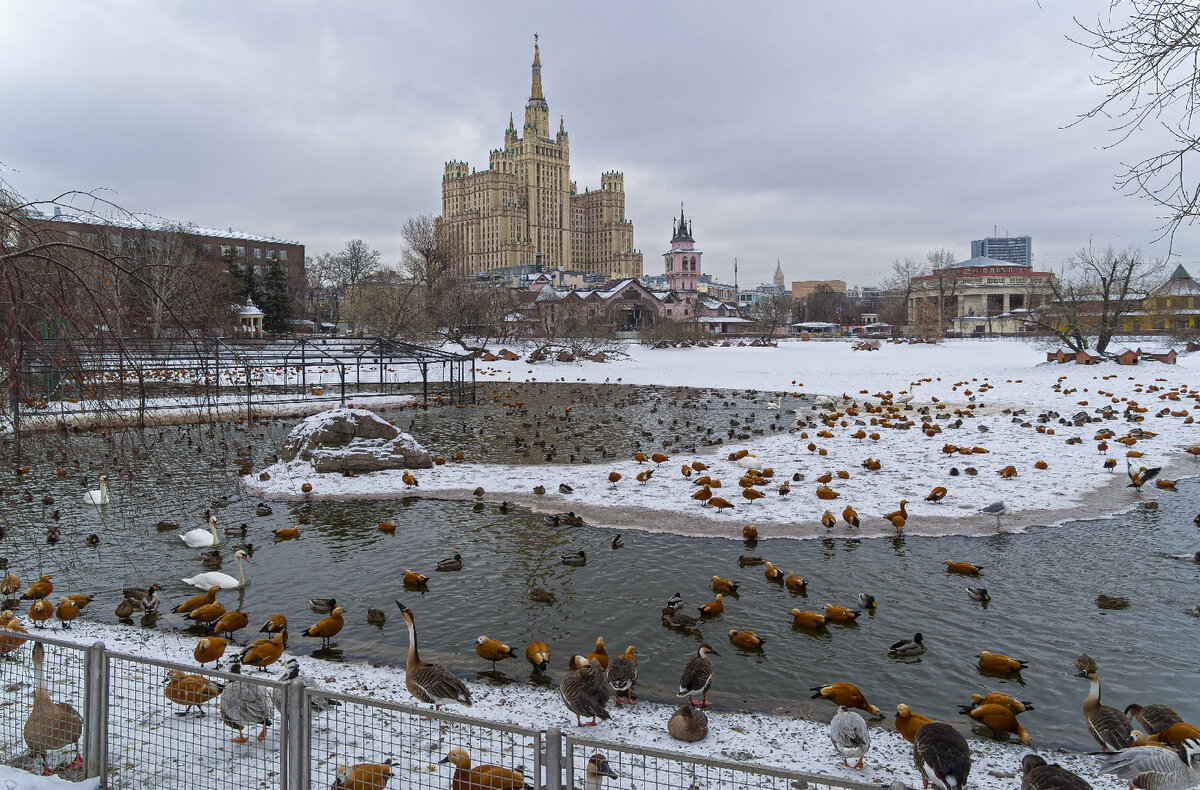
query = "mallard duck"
x=677 y=619
x=942 y=756
x=317 y=703
x=262 y=509
x=867 y=601
x=212 y=558
x=493 y=650
x=908 y=647
x=622 y=674
x=576 y=558
x=688 y=724
x=848 y=732
x=541 y=595
x=537 y=653
x=210 y=648
x=414 y=579
x=190 y=691
x=907 y=723
x=481 y=776
x=125 y=609
x=713 y=607
x=262 y=653
x=746 y=560
x=50 y=725
x=618 y=541
x=1110 y=727
x=997 y=718
x=326 y=628
x=454 y=563
x=1037 y=774
x=239 y=531
x=675 y=601
x=428 y=682
x=563 y=488
x=323 y=604
x=794 y=582
x=698 y=675
x=599 y=653
x=807 y=619
x=1156 y=768
x=1155 y=718
x=747 y=640
x=845 y=694
x=584 y=691
x=996 y=662
x=979 y=594
x=244 y=704
x=840 y=614
x=1000 y=698
x=202 y=538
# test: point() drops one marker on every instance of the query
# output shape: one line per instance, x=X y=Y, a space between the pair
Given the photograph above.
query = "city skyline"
x=832 y=140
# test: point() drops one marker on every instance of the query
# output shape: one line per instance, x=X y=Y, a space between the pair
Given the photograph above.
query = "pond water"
x=1043 y=583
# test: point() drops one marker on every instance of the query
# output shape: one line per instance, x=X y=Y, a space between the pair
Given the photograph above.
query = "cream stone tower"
x=524 y=208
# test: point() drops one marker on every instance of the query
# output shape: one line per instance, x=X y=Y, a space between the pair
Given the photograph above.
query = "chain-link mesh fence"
x=655 y=769
x=358 y=736
x=29 y=727
x=165 y=727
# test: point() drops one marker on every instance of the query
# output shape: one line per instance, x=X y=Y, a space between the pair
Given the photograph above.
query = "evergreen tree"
x=241 y=273
x=277 y=300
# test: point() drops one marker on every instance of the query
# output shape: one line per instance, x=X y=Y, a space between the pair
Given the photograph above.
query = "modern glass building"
x=1010 y=249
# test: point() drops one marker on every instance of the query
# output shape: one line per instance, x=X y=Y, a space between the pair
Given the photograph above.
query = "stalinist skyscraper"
x=525 y=209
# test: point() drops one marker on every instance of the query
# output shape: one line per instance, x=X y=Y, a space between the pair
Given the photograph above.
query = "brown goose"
x=622 y=674
x=1037 y=774
x=51 y=725
x=1155 y=718
x=1110 y=727
x=698 y=675
x=431 y=683
x=584 y=690
x=942 y=756
x=688 y=724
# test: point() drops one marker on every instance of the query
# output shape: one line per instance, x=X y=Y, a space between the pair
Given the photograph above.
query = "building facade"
x=525 y=210
x=1010 y=249
x=682 y=263
x=1172 y=307
x=980 y=295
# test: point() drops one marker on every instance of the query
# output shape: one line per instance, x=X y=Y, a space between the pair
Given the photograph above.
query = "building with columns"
x=525 y=209
x=981 y=295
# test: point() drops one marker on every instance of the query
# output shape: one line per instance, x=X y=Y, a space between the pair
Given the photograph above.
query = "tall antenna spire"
x=536 y=91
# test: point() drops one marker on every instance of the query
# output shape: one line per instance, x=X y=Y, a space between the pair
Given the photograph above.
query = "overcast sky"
x=833 y=137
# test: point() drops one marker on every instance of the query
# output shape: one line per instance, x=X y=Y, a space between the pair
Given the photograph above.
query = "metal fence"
x=137 y=735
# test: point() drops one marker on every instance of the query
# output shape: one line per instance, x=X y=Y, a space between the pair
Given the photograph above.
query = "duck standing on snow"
x=848 y=731
x=698 y=675
x=245 y=703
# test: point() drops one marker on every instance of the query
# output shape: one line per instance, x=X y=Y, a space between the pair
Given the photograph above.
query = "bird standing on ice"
x=997 y=509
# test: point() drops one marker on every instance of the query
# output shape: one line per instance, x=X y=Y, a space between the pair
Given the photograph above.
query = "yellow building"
x=525 y=209
x=1173 y=306
x=802 y=289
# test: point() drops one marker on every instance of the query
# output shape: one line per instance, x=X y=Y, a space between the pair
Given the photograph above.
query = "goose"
x=908 y=647
x=537 y=653
x=622 y=675
x=848 y=732
x=1037 y=774
x=51 y=725
x=326 y=628
x=907 y=722
x=997 y=718
x=584 y=691
x=1155 y=718
x=364 y=776
x=942 y=756
x=222 y=580
x=493 y=650
x=493 y=777
x=688 y=724
x=698 y=675
x=429 y=683
x=454 y=563
x=1110 y=727
x=190 y=691
x=996 y=662
x=99 y=496
x=244 y=704
x=597 y=769
x=845 y=694
x=262 y=653
x=1156 y=768
x=317 y=703
x=202 y=538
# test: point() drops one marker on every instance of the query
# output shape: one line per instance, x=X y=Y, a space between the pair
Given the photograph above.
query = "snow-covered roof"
x=723 y=319
x=814 y=325
x=152 y=223
x=249 y=309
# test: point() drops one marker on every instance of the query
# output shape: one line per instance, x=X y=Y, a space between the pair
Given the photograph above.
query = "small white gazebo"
x=251 y=318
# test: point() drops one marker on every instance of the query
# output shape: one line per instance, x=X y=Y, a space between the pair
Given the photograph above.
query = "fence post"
x=295 y=723
x=553 y=759
x=95 y=717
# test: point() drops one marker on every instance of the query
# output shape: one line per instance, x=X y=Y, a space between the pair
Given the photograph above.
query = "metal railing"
x=135 y=736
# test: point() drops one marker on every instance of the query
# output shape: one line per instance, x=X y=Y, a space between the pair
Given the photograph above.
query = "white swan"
x=202 y=538
x=749 y=461
x=776 y=404
x=222 y=580
x=99 y=496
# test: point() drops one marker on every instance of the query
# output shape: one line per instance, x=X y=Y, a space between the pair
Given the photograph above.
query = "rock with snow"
x=353 y=440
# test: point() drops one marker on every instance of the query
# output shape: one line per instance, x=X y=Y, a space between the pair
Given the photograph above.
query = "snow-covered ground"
x=967 y=389
x=149 y=746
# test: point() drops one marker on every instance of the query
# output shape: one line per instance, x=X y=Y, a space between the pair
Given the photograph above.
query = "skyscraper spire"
x=536 y=91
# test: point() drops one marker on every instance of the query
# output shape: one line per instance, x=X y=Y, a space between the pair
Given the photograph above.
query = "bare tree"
x=319 y=290
x=386 y=304
x=430 y=254
x=1151 y=55
x=893 y=307
x=566 y=326
x=1102 y=288
x=770 y=315
x=352 y=265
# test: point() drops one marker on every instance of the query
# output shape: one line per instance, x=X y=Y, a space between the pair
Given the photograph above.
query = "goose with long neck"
x=428 y=682
x=51 y=725
x=222 y=580
x=1110 y=727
